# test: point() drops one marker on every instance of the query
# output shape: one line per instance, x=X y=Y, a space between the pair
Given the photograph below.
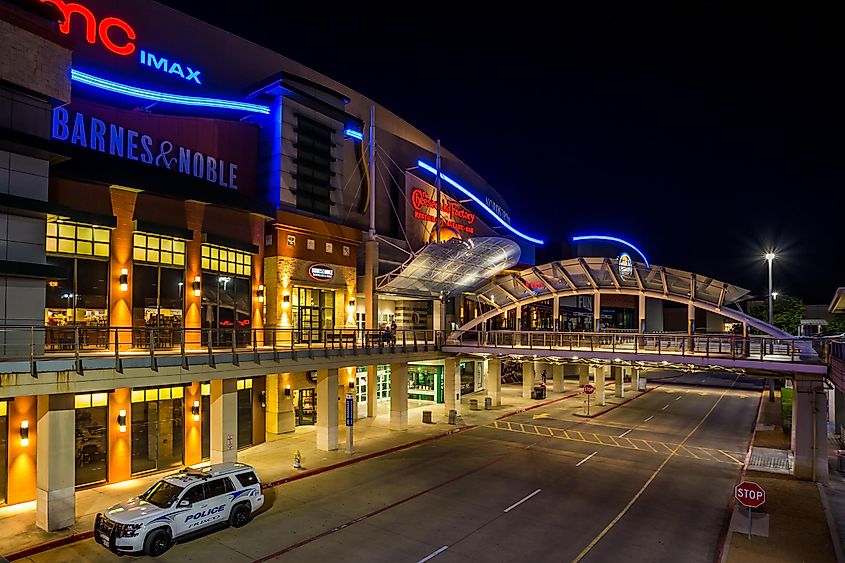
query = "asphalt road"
x=648 y=481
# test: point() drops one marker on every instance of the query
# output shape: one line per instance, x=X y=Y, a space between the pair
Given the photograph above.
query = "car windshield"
x=162 y=494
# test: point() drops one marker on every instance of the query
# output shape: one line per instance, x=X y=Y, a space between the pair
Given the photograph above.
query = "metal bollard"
x=426 y=417
x=488 y=403
x=453 y=416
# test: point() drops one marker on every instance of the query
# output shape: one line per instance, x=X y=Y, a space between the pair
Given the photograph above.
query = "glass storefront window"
x=79 y=298
x=226 y=260
x=226 y=294
x=158 y=425
x=4 y=433
x=312 y=313
x=244 y=412
x=157 y=297
x=425 y=383
x=92 y=413
x=157 y=249
x=77 y=238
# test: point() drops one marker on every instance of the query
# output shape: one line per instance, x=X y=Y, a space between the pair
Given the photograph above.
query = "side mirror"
x=184 y=503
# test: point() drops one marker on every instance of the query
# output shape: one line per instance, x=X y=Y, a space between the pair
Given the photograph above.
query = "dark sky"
x=704 y=136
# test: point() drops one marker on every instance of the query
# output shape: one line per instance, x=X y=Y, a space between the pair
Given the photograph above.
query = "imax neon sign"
x=118 y=36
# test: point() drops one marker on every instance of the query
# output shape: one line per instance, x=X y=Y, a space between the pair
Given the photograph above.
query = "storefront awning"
x=451 y=267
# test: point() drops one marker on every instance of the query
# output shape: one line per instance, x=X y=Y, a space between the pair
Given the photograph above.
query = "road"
x=648 y=481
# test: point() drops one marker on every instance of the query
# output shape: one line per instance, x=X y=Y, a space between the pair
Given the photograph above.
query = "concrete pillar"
x=619 y=376
x=518 y=322
x=224 y=420
x=556 y=313
x=690 y=318
x=809 y=427
x=641 y=313
x=596 y=312
x=372 y=388
x=838 y=410
x=527 y=379
x=598 y=383
x=583 y=374
x=279 y=414
x=327 y=401
x=437 y=313
x=55 y=499
x=560 y=372
x=452 y=385
x=635 y=379
x=494 y=381
x=370 y=273
x=399 y=396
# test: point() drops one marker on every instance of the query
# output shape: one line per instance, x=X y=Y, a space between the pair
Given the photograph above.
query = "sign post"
x=750 y=495
x=350 y=420
x=588 y=390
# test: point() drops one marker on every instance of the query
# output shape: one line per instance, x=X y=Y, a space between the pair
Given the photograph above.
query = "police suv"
x=180 y=504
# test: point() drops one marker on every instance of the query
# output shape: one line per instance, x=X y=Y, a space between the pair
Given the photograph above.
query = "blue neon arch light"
x=611 y=239
x=164 y=97
x=474 y=198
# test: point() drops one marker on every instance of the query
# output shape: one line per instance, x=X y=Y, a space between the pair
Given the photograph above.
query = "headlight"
x=127 y=530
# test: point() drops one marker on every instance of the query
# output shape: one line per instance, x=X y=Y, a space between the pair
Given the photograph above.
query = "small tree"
x=787 y=313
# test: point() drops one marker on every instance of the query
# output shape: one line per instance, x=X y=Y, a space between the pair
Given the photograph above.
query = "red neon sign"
x=103 y=30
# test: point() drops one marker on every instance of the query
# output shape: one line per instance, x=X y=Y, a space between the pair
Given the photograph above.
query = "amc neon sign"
x=120 y=46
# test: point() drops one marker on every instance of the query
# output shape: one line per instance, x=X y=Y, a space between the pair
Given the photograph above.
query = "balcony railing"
x=77 y=343
x=763 y=348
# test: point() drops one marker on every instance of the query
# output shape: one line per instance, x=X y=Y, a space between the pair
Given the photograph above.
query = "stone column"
x=559 y=373
x=583 y=374
x=327 y=406
x=635 y=379
x=527 y=379
x=55 y=475
x=280 y=417
x=452 y=385
x=372 y=388
x=398 y=396
x=494 y=381
x=518 y=321
x=598 y=383
x=556 y=313
x=224 y=420
x=596 y=312
x=619 y=376
x=641 y=307
x=809 y=429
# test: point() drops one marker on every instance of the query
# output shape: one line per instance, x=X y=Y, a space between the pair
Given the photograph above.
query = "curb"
x=74 y=538
x=834 y=533
x=722 y=555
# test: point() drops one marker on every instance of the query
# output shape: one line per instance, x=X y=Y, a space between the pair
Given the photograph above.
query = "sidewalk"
x=274 y=460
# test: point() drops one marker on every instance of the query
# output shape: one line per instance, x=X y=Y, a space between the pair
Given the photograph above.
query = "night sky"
x=704 y=136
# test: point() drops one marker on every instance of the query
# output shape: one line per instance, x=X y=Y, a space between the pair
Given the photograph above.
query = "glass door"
x=306 y=407
x=158 y=428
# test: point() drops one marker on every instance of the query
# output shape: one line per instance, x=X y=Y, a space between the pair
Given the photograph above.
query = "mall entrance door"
x=306 y=406
x=313 y=312
x=157 y=429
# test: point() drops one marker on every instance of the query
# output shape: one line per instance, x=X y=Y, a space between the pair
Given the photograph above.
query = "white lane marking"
x=626 y=433
x=677 y=398
x=664 y=408
x=585 y=459
x=649 y=418
x=435 y=554
x=517 y=503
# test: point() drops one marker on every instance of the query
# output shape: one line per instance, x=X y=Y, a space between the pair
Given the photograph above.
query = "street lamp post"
x=770 y=257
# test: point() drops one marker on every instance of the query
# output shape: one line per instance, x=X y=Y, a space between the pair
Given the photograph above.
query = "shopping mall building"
x=167 y=186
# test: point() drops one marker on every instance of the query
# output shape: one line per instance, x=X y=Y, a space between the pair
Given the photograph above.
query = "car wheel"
x=157 y=542
x=240 y=516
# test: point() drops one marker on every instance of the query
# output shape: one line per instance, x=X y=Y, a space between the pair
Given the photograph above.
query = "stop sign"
x=750 y=494
x=588 y=389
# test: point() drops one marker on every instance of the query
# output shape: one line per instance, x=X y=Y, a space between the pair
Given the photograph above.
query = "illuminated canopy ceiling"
x=451 y=267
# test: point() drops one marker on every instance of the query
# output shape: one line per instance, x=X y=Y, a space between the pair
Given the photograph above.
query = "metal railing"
x=77 y=343
x=763 y=348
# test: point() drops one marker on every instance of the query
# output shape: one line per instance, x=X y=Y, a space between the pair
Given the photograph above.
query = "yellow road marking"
x=726 y=454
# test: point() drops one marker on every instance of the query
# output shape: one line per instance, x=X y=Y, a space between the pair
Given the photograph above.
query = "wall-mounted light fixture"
x=124 y=279
x=24 y=433
x=195 y=410
x=121 y=420
x=262 y=399
x=351 y=303
x=352 y=384
x=286 y=301
x=196 y=287
x=260 y=293
x=287 y=390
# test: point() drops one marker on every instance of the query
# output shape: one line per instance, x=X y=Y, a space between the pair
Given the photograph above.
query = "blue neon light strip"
x=473 y=197
x=354 y=134
x=612 y=239
x=164 y=97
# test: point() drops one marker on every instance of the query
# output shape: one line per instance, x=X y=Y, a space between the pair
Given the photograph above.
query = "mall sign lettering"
x=425 y=209
x=320 y=272
x=118 y=36
x=114 y=140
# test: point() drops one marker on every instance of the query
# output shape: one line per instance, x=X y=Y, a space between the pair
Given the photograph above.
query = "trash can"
x=426 y=417
x=488 y=403
x=540 y=392
x=473 y=404
x=641 y=383
x=453 y=416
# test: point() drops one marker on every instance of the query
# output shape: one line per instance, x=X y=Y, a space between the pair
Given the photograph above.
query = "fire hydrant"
x=297 y=460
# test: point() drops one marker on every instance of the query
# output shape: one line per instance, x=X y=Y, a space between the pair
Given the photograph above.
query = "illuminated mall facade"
x=166 y=184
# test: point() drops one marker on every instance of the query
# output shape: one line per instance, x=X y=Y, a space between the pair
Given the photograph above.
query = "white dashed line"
x=435 y=554
x=517 y=503
x=585 y=459
x=664 y=408
x=649 y=418
x=626 y=433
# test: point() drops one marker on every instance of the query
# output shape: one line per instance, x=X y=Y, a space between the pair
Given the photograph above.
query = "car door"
x=193 y=518
x=218 y=498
